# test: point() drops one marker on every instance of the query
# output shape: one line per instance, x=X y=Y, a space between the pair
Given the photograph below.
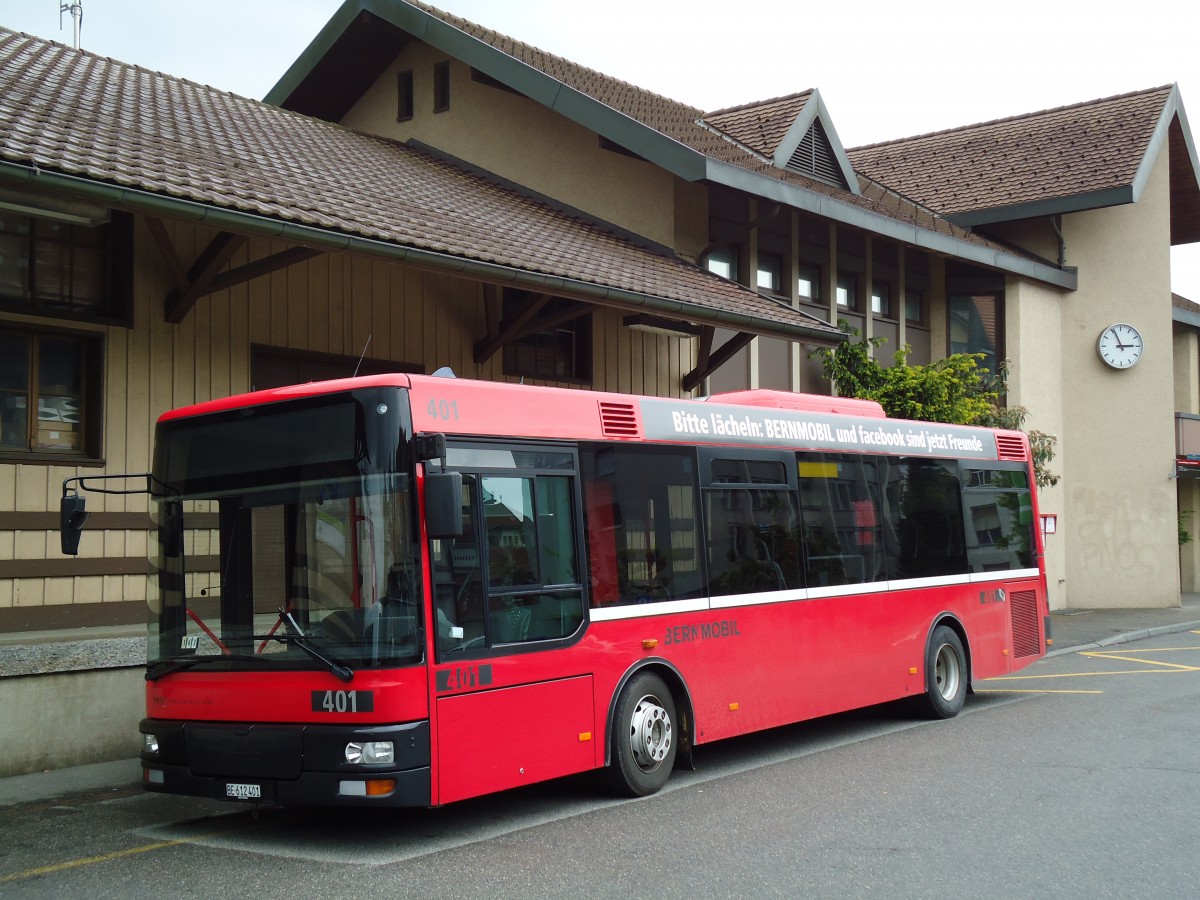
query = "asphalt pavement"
x=1071 y=630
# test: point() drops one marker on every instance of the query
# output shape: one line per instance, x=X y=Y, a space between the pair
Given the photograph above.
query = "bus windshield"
x=298 y=551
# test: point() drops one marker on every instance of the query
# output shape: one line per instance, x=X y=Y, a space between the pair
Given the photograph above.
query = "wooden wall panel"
x=331 y=303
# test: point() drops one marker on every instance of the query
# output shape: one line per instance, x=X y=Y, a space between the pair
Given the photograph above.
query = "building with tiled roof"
x=419 y=191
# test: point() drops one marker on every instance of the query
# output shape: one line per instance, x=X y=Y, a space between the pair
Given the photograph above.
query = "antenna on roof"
x=76 y=11
x=364 y=354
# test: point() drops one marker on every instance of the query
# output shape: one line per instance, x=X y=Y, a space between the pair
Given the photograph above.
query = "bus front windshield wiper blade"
x=295 y=636
x=164 y=667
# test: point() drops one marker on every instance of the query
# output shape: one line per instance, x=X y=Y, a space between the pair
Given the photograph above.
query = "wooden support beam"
x=208 y=264
x=714 y=361
x=486 y=349
x=264 y=266
x=158 y=231
x=545 y=323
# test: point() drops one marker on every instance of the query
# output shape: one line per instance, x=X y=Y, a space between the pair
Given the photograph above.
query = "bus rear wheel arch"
x=947 y=674
x=646 y=736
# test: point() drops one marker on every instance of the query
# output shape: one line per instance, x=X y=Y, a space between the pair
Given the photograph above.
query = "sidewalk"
x=1071 y=630
x=1087 y=629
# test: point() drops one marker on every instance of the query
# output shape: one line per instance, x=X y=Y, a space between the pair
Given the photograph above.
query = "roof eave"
x=149 y=203
x=1049 y=206
x=884 y=226
x=1185 y=317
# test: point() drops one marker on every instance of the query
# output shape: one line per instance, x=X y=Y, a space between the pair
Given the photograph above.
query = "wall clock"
x=1120 y=345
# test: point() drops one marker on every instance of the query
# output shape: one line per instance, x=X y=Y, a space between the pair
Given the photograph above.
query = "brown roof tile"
x=760 y=126
x=1080 y=149
x=70 y=111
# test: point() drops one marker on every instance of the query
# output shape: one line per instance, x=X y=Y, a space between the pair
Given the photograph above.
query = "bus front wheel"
x=643 y=737
x=945 y=674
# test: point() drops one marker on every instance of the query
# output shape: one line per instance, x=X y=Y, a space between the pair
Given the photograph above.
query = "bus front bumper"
x=299 y=765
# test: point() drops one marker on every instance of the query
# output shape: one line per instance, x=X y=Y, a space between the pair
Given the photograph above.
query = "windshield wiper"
x=295 y=636
x=163 y=667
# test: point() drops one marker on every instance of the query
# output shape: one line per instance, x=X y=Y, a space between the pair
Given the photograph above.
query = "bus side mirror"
x=443 y=504
x=72 y=513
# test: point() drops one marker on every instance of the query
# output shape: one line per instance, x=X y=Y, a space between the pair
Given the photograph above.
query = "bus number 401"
x=343 y=701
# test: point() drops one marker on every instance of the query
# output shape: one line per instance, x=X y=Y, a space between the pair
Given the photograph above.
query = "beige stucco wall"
x=1118 y=494
x=1033 y=335
x=520 y=140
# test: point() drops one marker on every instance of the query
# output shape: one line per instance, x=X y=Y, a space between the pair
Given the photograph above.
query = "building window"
x=54 y=268
x=560 y=353
x=404 y=96
x=723 y=262
x=770 y=272
x=49 y=393
x=914 y=305
x=809 y=283
x=847 y=291
x=977 y=326
x=881 y=299
x=441 y=87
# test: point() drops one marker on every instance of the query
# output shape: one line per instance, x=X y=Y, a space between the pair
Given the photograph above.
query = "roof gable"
x=1083 y=156
x=795 y=132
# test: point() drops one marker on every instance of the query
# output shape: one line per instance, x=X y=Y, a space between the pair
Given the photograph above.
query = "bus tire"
x=945 y=675
x=643 y=742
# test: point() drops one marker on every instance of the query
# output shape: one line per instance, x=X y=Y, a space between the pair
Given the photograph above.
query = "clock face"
x=1120 y=345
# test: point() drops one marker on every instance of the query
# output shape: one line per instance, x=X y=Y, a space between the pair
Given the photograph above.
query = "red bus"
x=404 y=590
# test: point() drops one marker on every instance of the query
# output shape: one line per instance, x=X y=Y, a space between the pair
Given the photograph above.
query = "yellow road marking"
x=1094 y=674
x=1030 y=691
x=104 y=857
x=1125 y=656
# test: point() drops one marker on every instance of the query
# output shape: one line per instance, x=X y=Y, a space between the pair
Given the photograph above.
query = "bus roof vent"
x=1009 y=446
x=619 y=420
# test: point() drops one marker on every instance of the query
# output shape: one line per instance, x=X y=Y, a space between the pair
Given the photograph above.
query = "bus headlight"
x=370 y=752
x=150 y=743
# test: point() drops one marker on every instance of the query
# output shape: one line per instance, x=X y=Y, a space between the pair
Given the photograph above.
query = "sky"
x=885 y=68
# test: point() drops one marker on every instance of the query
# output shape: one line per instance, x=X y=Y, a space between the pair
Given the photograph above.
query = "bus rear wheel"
x=945 y=675
x=643 y=737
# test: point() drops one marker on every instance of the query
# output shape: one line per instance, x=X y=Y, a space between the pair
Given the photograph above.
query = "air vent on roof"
x=619 y=420
x=814 y=157
x=1010 y=446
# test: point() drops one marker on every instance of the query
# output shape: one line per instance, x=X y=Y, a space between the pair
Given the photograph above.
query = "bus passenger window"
x=925 y=507
x=844 y=535
x=752 y=528
x=642 y=530
x=998 y=507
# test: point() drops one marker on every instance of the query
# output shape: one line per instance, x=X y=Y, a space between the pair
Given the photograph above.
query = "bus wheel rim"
x=947 y=672
x=650 y=734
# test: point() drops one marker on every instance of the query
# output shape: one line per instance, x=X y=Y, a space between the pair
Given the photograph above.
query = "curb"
x=1127 y=637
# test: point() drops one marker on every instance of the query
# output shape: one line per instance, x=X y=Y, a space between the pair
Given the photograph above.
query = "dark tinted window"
x=925 y=512
x=998 y=509
x=843 y=527
x=752 y=527
x=643 y=536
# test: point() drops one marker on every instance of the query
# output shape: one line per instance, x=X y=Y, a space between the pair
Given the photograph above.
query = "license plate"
x=243 y=791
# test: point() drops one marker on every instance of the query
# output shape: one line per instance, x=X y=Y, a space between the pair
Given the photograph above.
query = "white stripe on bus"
x=762 y=598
